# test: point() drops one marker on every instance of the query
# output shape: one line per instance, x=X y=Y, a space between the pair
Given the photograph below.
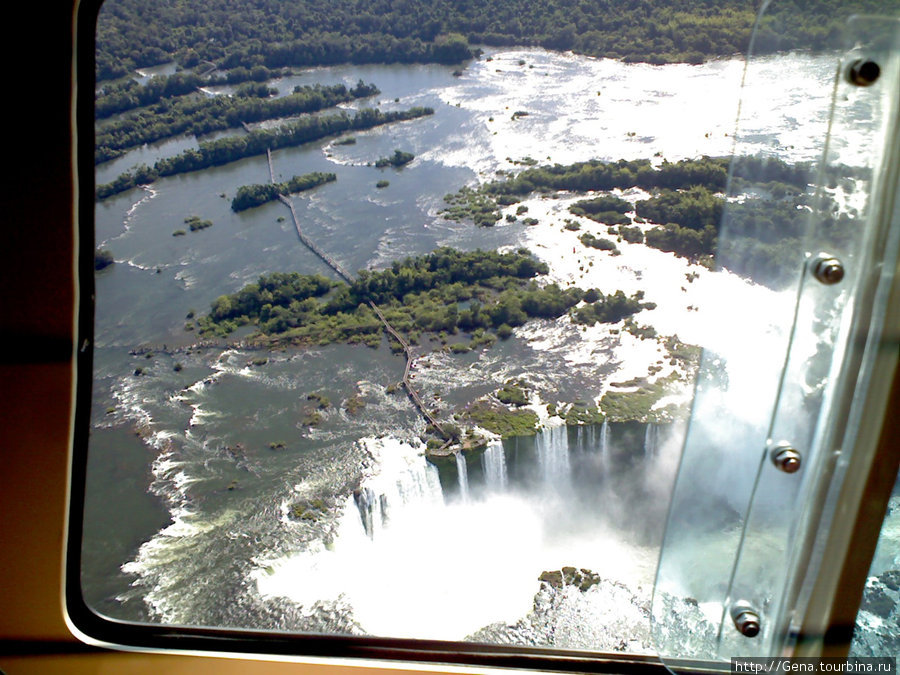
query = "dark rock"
x=878 y=602
x=891 y=579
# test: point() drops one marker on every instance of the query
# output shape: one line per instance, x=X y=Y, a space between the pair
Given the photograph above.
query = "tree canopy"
x=273 y=34
x=204 y=115
x=444 y=291
x=249 y=196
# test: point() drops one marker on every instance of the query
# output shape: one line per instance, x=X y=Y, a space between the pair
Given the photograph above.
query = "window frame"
x=851 y=571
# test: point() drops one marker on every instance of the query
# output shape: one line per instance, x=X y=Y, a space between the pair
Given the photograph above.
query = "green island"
x=499 y=419
x=232 y=148
x=599 y=243
x=196 y=223
x=398 y=159
x=200 y=114
x=481 y=293
x=607 y=209
x=250 y=196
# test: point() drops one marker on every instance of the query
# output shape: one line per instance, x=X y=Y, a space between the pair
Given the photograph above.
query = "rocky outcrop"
x=879 y=615
x=582 y=579
x=578 y=609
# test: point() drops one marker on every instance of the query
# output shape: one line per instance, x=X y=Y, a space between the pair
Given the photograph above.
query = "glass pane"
x=761 y=439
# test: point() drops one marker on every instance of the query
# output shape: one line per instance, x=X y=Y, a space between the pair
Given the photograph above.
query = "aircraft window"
x=400 y=313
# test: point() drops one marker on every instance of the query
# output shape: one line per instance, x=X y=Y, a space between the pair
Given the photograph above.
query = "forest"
x=120 y=96
x=223 y=35
x=482 y=293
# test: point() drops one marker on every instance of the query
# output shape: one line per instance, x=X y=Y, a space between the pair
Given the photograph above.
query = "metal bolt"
x=827 y=269
x=863 y=72
x=786 y=458
x=745 y=619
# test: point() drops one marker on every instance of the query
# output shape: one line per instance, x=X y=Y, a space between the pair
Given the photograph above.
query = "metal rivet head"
x=863 y=72
x=786 y=457
x=827 y=269
x=745 y=619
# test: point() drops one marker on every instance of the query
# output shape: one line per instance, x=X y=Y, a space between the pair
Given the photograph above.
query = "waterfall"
x=404 y=478
x=463 y=476
x=651 y=440
x=604 y=446
x=553 y=456
x=493 y=461
x=584 y=438
x=367 y=505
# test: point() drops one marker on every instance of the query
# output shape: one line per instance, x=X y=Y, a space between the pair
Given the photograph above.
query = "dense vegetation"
x=440 y=293
x=609 y=308
x=694 y=207
x=482 y=205
x=606 y=209
x=600 y=243
x=765 y=228
x=274 y=34
x=117 y=97
x=764 y=231
x=641 y=404
x=195 y=223
x=225 y=150
x=500 y=420
x=249 y=196
x=398 y=159
x=204 y=115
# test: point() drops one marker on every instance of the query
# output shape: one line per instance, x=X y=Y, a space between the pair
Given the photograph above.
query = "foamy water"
x=443 y=571
x=581 y=108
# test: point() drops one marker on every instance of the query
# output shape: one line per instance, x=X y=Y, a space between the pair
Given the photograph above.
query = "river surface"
x=189 y=511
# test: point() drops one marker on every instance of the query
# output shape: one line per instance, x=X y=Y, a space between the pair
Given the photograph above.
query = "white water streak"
x=494 y=464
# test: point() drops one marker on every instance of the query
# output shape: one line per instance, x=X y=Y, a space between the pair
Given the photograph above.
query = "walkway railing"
x=341 y=272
